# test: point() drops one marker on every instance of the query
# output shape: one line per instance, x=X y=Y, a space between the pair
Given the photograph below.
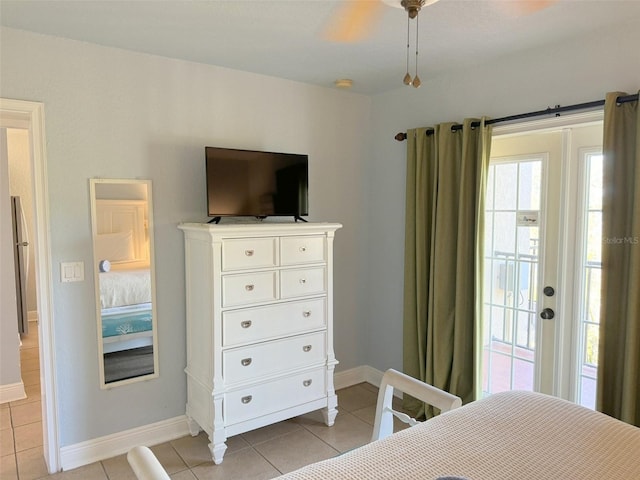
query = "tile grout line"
x=23 y=372
x=289 y=433
x=104 y=470
x=330 y=446
x=267 y=460
x=187 y=467
x=13 y=434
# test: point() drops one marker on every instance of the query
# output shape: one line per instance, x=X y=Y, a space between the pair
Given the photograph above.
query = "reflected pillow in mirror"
x=115 y=247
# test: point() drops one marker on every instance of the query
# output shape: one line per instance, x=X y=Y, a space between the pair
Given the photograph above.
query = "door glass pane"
x=594 y=235
x=511 y=276
x=594 y=182
x=497 y=323
x=488 y=233
x=506 y=174
x=500 y=370
x=504 y=233
x=590 y=272
x=489 y=196
x=529 y=190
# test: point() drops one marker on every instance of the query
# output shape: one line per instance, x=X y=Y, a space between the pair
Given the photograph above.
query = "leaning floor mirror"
x=122 y=228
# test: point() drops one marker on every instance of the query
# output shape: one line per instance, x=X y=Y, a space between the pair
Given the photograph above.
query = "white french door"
x=542 y=262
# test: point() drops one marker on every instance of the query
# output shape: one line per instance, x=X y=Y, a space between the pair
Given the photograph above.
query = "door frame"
x=564 y=348
x=30 y=115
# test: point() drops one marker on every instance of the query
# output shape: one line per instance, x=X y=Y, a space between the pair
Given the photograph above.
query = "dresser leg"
x=217 y=452
x=331 y=410
x=192 y=425
x=329 y=415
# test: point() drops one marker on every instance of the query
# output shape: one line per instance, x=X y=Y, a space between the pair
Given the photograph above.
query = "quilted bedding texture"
x=508 y=436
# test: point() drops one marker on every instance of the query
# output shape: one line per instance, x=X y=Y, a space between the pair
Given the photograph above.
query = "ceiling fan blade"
x=353 y=21
x=526 y=7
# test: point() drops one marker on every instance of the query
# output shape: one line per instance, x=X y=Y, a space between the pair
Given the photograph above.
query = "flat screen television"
x=255 y=183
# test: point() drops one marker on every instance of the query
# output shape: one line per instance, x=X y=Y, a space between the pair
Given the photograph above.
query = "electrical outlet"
x=71 y=272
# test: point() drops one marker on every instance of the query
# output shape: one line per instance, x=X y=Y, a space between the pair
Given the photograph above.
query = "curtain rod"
x=557 y=110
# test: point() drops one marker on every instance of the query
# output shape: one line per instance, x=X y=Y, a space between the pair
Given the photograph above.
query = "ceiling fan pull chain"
x=407 y=78
x=416 y=79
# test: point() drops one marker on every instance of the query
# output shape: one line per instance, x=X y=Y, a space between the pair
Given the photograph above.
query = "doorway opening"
x=27 y=118
x=542 y=258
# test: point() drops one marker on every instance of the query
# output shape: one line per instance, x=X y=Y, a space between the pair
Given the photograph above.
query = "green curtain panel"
x=618 y=391
x=446 y=182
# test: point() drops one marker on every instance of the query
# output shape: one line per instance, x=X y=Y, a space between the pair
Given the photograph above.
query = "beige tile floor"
x=259 y=454
x=20 y=421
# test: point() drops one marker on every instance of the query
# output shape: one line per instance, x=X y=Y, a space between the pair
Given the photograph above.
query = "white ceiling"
x=285 y=38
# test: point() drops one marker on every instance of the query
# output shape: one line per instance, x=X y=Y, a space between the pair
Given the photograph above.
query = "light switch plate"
x=71 y=272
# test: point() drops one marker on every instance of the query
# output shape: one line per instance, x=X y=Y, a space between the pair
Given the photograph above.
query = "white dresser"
x=259 y=326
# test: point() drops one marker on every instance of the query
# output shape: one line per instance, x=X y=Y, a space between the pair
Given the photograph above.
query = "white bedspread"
x=125 y=287
x=508 y=436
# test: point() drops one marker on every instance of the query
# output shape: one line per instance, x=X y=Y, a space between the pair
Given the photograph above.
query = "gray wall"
x=117 y=114
x=576 y=71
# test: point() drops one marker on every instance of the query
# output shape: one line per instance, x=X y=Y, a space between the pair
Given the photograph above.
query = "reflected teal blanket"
x=126 y=323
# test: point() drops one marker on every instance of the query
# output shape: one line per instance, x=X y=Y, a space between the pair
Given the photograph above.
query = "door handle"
x=547 y=314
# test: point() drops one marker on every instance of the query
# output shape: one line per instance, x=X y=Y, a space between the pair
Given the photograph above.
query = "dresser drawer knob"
x=246 y=362
x=303 y=281
x=246 y=399
x=303 y=249
x=306 y=313
x=306 y=383
x=249 y=288
x=306 y=348
x=245 y=324
x=249 y=253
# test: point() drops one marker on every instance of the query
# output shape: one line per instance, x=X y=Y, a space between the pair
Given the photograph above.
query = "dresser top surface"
x=249 y=229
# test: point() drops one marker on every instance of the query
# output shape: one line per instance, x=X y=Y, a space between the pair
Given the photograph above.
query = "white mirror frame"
x=93 y=188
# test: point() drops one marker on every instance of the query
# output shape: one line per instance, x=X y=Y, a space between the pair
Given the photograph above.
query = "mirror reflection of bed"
x=123 y=246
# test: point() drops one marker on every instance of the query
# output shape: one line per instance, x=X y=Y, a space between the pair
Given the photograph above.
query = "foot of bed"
x=329 y=415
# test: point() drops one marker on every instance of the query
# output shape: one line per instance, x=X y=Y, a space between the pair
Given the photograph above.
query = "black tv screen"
x=255 y=183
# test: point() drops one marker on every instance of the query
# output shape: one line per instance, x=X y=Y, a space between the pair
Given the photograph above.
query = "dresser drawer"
x=249 y=288
x=270 y=358
x=246 y=253
x=299 y=250
x=299 y=282
x=270 y=397
x=262 y=323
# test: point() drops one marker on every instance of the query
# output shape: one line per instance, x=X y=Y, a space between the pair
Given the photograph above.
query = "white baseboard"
x=353 y=376
x=90 y=451
x=32 y=315
x=356 y=375
x=12 y=392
